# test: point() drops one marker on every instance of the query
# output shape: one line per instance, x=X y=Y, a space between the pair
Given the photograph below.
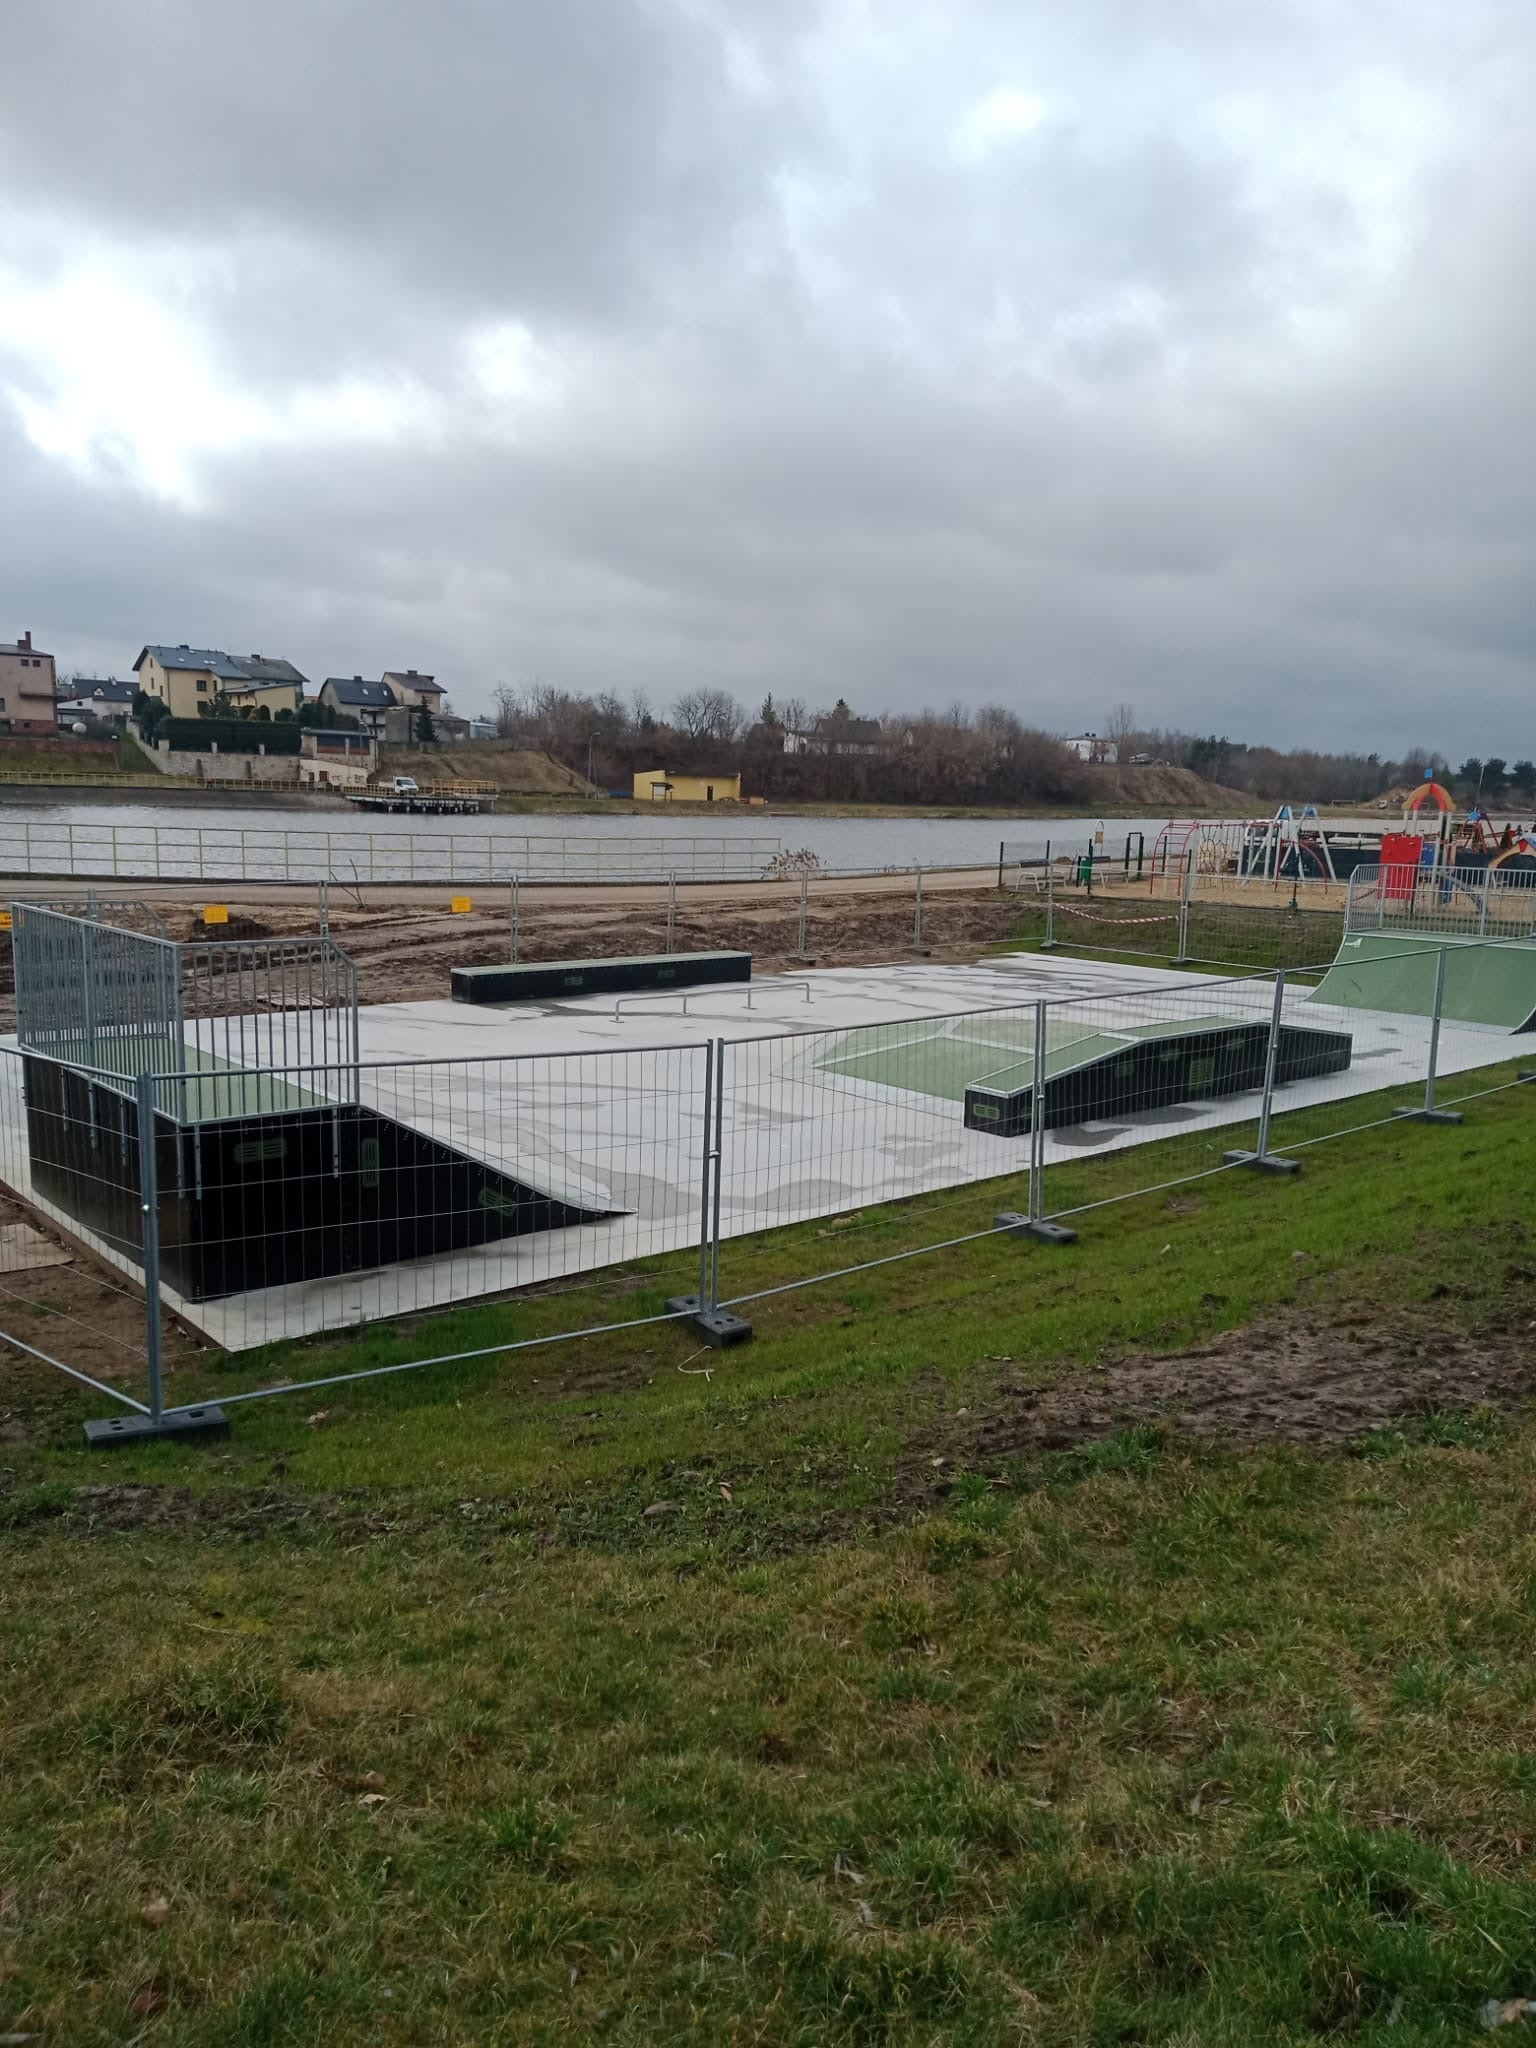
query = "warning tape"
x=1072 y=910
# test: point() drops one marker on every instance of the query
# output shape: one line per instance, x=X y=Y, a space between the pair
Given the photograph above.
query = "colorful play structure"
x=1298 y=845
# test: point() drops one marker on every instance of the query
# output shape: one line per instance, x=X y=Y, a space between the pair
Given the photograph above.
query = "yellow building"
x=189 y=678
x=186 y=678
x=272 y=697
x=661 y=786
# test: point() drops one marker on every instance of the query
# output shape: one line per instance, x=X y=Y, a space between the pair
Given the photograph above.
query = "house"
x=482 y=728
x=838 y=733
x=186 y=679
x=28 y=687
x=659 y=786
x=96 y=697
x=1088 y=746
x=269 y=685
x=189 y=678
x=360 y=698
x=411 y=689
x=336 y=760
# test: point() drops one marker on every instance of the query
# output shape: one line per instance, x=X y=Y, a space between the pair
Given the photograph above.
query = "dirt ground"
x=86 y=1314
x=1288 y=1378
x=405 y=949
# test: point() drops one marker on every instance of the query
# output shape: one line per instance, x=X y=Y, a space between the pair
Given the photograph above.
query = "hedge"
x=229 y=735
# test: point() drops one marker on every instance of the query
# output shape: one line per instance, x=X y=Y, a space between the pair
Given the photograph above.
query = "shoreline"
x=105 y=790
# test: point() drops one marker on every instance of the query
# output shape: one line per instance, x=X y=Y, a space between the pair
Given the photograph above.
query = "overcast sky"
x=898 y=350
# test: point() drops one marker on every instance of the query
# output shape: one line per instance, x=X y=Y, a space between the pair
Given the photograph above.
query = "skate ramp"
x=1486 y=982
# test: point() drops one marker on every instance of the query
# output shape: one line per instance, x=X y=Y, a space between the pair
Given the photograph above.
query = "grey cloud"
x=1210 y=393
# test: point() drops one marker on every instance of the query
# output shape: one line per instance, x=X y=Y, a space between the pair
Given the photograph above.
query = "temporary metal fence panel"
x=95 y=994
x=1201 y=923
x=1497 y=903
x=268 y=854
x=55 y=1310
x=284 y=1200
x=436 y=1182
x=1180 y=1069
x=128 y=913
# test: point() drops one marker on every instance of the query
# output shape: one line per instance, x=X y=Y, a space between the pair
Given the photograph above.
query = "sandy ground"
x=406 y=941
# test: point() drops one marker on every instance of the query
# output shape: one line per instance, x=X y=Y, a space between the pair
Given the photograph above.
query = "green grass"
x=1262 y=935
x=427 y=1732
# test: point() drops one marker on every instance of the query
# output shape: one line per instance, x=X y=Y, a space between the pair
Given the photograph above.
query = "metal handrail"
x=714 y=988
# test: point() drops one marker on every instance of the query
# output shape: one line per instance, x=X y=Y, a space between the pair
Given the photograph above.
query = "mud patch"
x=1290 y=1378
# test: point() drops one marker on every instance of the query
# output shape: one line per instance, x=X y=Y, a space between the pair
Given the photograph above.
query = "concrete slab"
x=613 y=1104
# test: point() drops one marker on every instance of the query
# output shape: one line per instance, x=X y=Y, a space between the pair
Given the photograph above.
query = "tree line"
x=792 y=752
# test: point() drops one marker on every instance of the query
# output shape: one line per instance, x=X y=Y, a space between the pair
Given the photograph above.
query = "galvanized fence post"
x=1048 y=943
x=702 y=1311
x=1185 y=883
x=1037 y=1118
x=917 y=945
x=719 y=1157
x=149 y=1214
x=671 y=911
x=1428 y=1113
x=514 y=918
x=801 y=928
x=1033 y=1223
x=1263 y=1160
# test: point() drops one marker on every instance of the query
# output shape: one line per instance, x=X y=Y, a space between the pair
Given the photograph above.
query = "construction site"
x=307 y=1108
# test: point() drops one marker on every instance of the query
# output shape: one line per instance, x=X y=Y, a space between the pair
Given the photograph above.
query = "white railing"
x=1474 y=903
x=266 y=853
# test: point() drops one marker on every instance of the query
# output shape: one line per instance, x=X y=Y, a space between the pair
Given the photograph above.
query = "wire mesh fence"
x=1201 y=921
x=1454 y=900
x=264 y=1201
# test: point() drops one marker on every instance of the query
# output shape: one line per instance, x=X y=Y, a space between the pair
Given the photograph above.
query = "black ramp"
x=1153 y=1069
x=260 y=1201
x=526 y=981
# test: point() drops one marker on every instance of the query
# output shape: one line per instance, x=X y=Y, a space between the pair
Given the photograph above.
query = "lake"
x=236 y=842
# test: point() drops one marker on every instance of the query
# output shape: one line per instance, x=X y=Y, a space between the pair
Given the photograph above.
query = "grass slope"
x=403 y=1720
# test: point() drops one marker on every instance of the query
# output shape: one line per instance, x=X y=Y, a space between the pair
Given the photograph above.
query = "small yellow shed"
x=660 y=786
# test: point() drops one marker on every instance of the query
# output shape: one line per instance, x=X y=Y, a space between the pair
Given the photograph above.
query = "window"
x=201 y=683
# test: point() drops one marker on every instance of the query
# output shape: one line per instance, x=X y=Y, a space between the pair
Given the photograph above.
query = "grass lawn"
x=1264 y=934
x=618 y=1692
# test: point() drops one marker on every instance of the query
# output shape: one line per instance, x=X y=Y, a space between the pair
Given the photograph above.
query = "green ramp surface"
x=1485 y=983
x=943 y=1057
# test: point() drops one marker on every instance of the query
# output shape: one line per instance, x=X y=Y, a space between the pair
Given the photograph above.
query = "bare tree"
x=510 y=715
x=1120 y=730
x=707 y=715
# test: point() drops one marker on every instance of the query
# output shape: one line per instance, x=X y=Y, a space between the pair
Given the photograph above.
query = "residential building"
x=28 y=689
x=359 y=697
x=1088 y=746
x=268 y=685
x=101 y=697
x=336 y=760
x=189 y=678
x=410 y=689
x=661 y=786
x=838 y=733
